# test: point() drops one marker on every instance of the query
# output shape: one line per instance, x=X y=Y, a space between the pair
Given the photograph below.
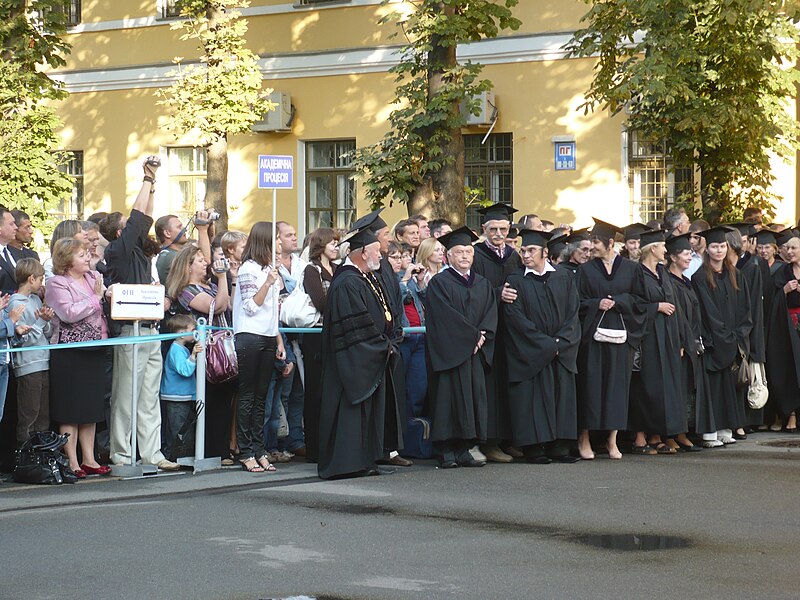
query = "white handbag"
x=610 y=336
x=757 y=393
x=297 y=310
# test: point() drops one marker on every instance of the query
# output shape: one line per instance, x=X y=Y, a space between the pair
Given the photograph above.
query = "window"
x=73 y=12
x=187 y=179
x=170 y=9
x=330 y=187
x=488 y=168
x=653 y=181
x=72 y=208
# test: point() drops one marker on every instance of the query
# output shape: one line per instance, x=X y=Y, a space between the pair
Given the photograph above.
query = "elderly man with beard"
x=359 y=409
x=461 y=321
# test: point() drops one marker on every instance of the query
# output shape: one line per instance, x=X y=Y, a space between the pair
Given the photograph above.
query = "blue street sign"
x=275 y=172
x=565 y=156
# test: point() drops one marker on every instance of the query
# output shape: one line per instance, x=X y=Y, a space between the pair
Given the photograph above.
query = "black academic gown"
x=570 y=267
x=694 y=379
x=750 y=268
x=456 y=311
x=359 y=409
x=783 y=346
x=489 y=265
x=391 y=285
x=726 y=331
x=541 y=371
x=656 y=404
x=604 y=370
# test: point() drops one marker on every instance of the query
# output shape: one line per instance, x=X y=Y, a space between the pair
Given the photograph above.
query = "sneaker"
x=286 y=456
x=726 y=436
x=712 y=444
x=278 y=457
x=477 y=454
x=167 y=465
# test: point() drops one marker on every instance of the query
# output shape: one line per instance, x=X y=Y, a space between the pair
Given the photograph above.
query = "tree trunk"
x=217 y=180
x=443 y=195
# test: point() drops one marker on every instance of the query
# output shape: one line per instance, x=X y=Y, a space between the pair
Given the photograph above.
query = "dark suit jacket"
x=8 y=281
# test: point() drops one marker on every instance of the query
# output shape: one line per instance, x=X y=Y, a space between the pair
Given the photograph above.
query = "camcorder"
x=212 y=216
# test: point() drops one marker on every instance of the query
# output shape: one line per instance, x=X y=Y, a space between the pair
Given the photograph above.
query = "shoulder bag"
x=757 y=393
x=297 y=310
x=221 y=362
x=610 y=336
x=743 y=371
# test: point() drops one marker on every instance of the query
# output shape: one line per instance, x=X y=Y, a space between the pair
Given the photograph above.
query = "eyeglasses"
x=395 y=257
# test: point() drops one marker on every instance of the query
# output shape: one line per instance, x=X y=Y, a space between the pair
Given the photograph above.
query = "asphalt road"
x=726 y=522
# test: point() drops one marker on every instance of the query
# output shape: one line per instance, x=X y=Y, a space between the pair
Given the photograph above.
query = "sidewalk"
x=98 y=490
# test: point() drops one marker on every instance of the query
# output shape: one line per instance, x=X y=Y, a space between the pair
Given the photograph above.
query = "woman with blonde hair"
x=430 y=256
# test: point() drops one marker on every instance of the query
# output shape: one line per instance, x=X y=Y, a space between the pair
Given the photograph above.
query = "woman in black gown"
x=605 y=287
x=656 y=406
x=725 y=309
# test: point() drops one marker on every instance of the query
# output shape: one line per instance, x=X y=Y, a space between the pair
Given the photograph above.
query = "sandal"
x=268 y=467
x=646 y=450
x=663 y=448
x=251 y=465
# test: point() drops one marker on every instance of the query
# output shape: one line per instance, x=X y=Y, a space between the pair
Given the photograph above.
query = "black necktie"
x=7 y=257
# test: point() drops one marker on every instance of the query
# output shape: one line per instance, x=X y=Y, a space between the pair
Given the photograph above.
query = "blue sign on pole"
x=275 y=172
x=565 y=156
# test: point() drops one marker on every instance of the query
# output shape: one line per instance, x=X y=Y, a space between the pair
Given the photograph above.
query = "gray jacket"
x=32 y=361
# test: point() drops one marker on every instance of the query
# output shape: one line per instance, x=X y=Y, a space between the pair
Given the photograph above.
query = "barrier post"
x=132 y=469
x=200 y=463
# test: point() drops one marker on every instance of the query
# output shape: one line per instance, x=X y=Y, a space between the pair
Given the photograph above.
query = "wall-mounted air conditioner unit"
x=487 y=111
x=279 y=119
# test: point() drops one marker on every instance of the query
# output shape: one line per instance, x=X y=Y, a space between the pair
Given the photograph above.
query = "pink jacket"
x=73 y=301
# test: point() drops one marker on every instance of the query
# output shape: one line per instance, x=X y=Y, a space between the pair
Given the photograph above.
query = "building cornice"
x=348 y=61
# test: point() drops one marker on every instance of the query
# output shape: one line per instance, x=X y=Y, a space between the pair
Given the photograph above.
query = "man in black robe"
x=461 y=321
x=496 y=260
x=375 y=224
x=542 y=333
x=359 y=409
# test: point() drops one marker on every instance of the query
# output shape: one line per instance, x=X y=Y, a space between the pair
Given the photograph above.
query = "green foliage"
x=222 y=95
x=712 y=77
x=29 y=175
x=422 y=124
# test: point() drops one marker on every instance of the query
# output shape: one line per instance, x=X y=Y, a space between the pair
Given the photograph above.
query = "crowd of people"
x=534 y=342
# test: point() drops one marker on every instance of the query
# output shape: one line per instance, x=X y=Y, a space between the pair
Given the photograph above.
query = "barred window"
x=488 y=167
x=330 y=187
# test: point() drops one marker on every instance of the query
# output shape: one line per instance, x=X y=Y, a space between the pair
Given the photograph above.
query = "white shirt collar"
x=547 y=268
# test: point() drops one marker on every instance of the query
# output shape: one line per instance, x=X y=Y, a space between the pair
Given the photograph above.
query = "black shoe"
x=465 y=459
x=566 y=459
x=739 y=436
x=539 y=460
x=448 y=464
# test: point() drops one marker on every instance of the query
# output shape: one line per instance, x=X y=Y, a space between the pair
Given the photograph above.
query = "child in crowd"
x=31 y=368
x=178 y=386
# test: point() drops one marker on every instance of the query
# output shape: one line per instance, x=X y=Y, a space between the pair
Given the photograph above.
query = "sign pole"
x=274 y=244
x=200 y=462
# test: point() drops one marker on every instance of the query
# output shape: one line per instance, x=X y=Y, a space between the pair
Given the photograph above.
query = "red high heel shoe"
x=101 y=470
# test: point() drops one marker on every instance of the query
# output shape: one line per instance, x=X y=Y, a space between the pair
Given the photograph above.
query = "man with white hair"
x=359 y=409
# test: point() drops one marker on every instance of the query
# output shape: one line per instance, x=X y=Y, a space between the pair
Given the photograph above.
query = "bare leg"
x=640 y=439
x=684 y=441
x=791 y=422
x=71 y=447
x=86 y=439
x=613 y=451
x=585 y=446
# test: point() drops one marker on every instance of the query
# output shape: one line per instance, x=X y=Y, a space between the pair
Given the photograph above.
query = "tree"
x=222 y=95
x=31 y=37
x=710 y=77
x=420 y=160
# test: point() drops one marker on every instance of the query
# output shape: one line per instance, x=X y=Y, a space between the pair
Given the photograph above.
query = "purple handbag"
x=80 y=331
x=221 y=362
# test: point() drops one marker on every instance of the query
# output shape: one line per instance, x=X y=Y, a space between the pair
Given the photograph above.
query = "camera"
x=223 y=265
x=153 y=161
x=416 y=270
x=213 y=215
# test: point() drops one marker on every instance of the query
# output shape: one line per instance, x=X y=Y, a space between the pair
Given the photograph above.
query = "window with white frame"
x=488 y=168
x=186 y=168
x=330 y=187
x=170 y=9
x=654 y=182
x=72 y=208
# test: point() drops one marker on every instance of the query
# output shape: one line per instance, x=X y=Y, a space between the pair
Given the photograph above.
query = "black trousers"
x=256 y=356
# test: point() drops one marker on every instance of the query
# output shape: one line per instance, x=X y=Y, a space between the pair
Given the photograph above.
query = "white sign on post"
x=137 y=302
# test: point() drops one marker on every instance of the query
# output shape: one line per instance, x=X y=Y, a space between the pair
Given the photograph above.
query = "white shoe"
x=712 y=444
x=726 y=438
x=476 y=453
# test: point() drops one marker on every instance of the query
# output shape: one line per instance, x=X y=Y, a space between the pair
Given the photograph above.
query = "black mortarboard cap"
x=463 y=236
x=496 y=212
x=746 y=229
x=604 y=230
x=678 y=243
x=372 y=221
x=716 y=235
x=534 y=238
x=556 y=244
x=360 y=238
x=513 y=232
x=632 y=231
x=578 y=235
x=784 y=236
x=651 y=236
x=765 y=236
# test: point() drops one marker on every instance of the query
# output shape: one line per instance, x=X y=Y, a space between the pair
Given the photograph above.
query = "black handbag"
x=40 y=460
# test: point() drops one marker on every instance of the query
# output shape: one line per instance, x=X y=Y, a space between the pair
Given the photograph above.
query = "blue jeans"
x=413 y=352
x=272 y=416
x=290 y=391
x=3 y=386
x=174 y=416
